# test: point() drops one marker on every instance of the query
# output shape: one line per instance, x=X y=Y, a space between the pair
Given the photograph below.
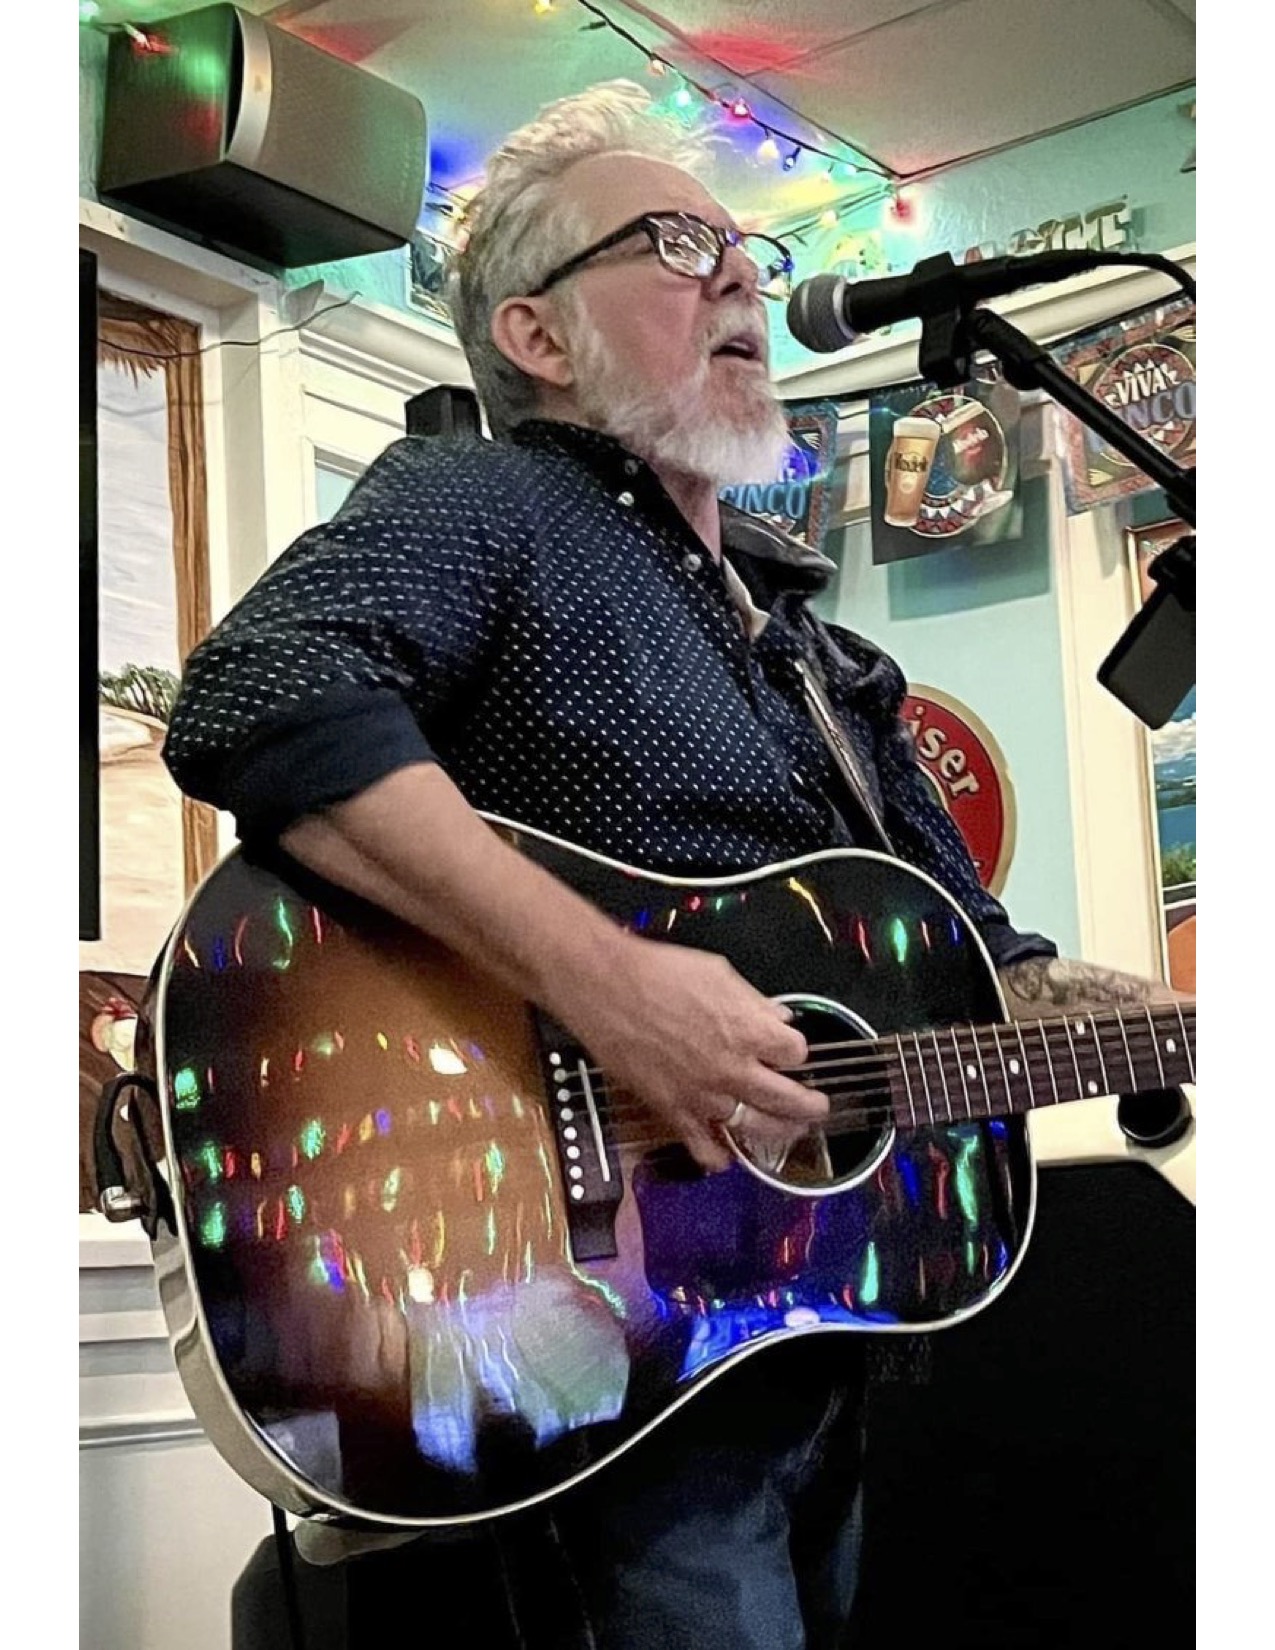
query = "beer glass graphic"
x=907 y=468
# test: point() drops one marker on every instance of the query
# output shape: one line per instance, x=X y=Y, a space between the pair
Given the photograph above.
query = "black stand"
x=447 y=409
x=1152 y=667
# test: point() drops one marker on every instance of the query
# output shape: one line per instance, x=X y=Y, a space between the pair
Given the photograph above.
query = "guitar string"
x=880 y=1060
x=880 y=1065
x=1056 y=1024
x=862 y=1117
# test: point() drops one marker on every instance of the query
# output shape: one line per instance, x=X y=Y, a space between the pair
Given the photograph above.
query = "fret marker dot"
x=1170 y=1046
x=573 y=1151
x=1092 y=1086
x=564 y=1094
x=568 y=1134
x=1013 y=1066
x=576 y=1172
x=577 y=1192
x=566 y=1114
x=555 y=1059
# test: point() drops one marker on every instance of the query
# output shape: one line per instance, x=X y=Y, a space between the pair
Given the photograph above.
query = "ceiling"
x=907 y=85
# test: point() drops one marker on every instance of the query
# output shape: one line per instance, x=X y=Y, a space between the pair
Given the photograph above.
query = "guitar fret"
x=1155 y=1044
x=960 y=1066
x=987 y=1093
x=938 y=1055
x=1133 y=1075
x=1102 y=1064
x=1027 y=1066
x=1009 y=1093
x=920 y=1060
x=907 y=1082
x=1186 y=1042
x=1071 y=1044
x=1049 y=1059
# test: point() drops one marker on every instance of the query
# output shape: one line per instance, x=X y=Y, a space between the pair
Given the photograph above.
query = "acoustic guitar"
x=423 y=1264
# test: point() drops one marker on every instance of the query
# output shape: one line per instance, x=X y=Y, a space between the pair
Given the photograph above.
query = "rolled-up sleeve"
x=351 y=656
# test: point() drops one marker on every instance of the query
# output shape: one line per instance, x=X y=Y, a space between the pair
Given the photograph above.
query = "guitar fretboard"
x=961 y=1073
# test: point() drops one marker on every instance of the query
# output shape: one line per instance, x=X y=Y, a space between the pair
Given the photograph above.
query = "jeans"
x=735 y=1525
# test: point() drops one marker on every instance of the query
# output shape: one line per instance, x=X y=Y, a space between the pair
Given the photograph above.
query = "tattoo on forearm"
x=1055 y=985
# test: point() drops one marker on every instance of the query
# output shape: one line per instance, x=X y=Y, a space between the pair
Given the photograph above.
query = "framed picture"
x=151 y=605
x=1171 y=761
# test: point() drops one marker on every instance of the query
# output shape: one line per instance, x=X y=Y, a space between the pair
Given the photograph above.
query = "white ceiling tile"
x=915 y=83
x=937 y=86
x=764 y=34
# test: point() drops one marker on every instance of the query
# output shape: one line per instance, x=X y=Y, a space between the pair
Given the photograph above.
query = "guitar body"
x=420 y=1276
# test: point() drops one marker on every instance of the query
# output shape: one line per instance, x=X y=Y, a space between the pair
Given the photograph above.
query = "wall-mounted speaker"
x=229 y=129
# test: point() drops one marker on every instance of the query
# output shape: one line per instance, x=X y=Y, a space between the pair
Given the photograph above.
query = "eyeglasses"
x=689 y=246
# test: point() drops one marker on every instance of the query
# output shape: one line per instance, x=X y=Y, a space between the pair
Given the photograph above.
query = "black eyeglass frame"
x=648 y=225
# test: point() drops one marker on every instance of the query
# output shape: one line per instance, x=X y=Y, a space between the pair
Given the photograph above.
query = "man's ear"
x=529 y=333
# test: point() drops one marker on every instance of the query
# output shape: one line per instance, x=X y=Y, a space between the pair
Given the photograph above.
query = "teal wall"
x=93 y=46
x=981 y=624
x=1137 y=154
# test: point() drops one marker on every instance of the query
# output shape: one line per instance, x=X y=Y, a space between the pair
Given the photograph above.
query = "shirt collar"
x=769 y=561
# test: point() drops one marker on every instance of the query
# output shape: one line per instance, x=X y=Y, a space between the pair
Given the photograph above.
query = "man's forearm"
x=412 y=845
x=1039 y=987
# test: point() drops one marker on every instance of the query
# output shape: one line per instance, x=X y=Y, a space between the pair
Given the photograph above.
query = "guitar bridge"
x=590 y=1166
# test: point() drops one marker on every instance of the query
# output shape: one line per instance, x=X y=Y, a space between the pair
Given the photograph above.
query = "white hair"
x=518 y=229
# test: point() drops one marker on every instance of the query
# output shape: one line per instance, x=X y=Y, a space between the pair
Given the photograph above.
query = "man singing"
x=564 y=627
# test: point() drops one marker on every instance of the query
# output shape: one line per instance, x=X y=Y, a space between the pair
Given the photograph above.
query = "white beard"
x=677 y=428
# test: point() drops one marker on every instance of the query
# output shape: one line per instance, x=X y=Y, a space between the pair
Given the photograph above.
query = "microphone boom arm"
x=949 y=340
x=1152 y=666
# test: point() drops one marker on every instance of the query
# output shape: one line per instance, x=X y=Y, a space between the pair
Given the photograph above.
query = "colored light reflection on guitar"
x=426 y=1266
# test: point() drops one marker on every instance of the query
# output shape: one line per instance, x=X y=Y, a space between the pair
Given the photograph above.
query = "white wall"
x=165 y=1526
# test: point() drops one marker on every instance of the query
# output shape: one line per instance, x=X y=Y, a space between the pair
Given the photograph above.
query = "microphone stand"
x=1152 y=666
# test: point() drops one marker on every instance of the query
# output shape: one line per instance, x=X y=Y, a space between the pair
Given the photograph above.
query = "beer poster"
x=800 y=501
x=944 y=467
x=1143 y=370
x=967 y=771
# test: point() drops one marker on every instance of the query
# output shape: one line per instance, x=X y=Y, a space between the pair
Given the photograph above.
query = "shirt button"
x=691 y=563
x=631 y=466
x=626 y=499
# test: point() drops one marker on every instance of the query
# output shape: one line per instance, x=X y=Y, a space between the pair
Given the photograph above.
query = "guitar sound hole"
x=859 y=1128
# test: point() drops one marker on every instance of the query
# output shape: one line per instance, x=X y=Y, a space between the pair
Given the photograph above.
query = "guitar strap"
x=899 y=1360
x=862 y=811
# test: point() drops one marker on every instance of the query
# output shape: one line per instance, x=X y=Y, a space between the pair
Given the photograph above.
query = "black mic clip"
x=945 y=350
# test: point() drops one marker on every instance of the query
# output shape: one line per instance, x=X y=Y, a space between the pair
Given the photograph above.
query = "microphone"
x=827 y=312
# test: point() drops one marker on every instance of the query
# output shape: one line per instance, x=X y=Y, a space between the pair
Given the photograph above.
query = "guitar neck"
x=958 y=1073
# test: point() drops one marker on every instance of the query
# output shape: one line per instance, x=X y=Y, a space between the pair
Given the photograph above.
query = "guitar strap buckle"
x=128 y=1193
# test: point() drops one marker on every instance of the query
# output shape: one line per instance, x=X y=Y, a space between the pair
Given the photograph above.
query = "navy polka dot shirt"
x=538 y=617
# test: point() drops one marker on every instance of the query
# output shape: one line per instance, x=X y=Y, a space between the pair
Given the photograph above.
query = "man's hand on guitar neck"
x=1042 y=987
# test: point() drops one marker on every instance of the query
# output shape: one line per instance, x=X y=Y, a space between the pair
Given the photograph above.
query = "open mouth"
x=743 y=347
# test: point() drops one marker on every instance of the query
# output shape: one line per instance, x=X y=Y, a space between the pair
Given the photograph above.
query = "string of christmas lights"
x=736 y=106
x=452 y=205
